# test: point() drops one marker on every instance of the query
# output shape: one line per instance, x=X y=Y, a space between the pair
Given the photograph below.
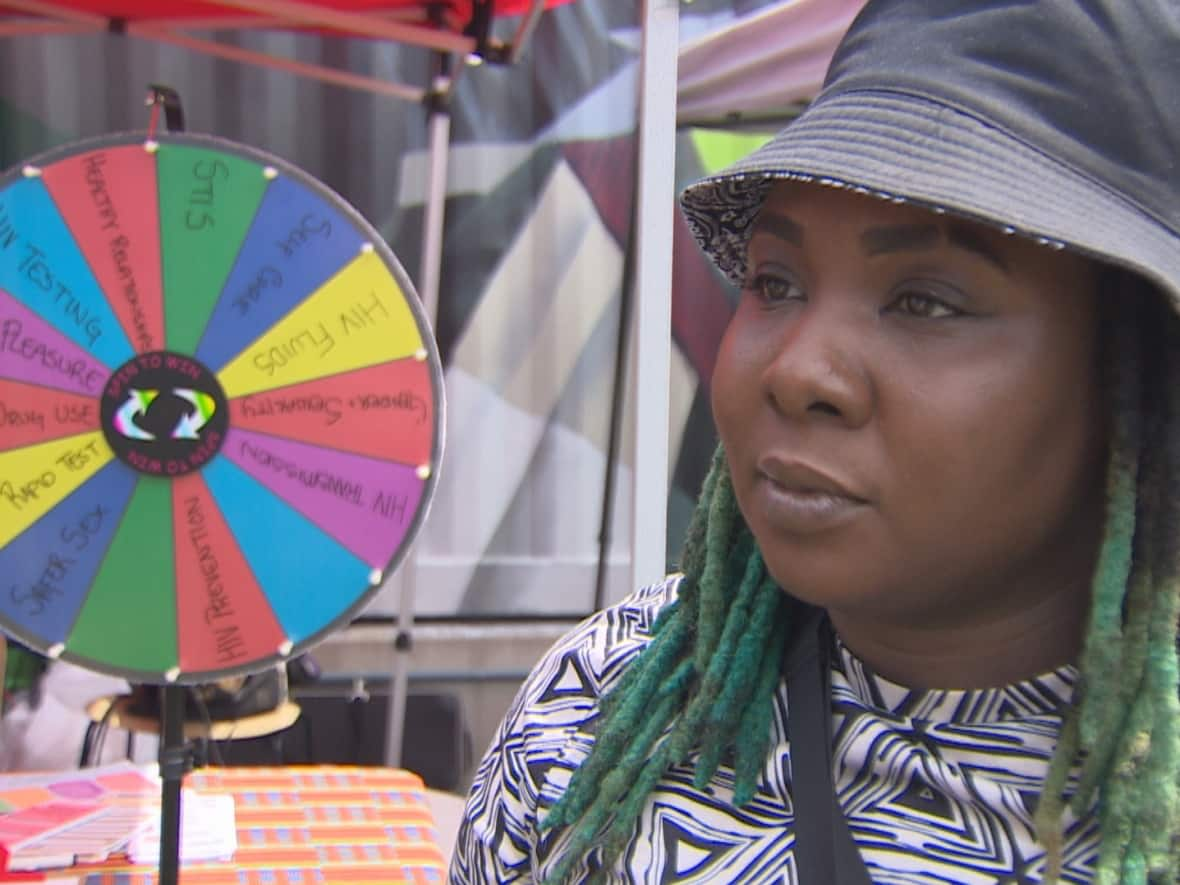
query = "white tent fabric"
x=763 y=63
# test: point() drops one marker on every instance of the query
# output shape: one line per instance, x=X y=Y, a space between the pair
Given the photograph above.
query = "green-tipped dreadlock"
x=706 y=683
x=1126 y=723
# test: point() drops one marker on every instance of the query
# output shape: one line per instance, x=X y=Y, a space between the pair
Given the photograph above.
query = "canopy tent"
x=455 y=27
x=765 y=63
x=457 y=35
x=455 y=30
x=438 y=25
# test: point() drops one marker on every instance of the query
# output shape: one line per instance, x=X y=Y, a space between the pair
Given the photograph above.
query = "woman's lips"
x=800 y=499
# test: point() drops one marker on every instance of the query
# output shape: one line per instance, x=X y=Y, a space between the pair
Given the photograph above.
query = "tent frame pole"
x=355 y=23
x=324 y=74
x=429 y=283
x=651 y=340
x=58 y=18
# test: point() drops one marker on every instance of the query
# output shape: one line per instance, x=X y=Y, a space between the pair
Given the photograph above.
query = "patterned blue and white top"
x=937 y=786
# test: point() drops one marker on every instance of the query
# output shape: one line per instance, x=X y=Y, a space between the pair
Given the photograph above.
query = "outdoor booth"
x=555 y=255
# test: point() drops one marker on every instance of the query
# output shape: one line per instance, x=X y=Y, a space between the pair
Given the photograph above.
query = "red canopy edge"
x=457 y=14
x=403 y=21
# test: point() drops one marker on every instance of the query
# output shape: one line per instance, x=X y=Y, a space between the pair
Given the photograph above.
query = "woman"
x=926 y=626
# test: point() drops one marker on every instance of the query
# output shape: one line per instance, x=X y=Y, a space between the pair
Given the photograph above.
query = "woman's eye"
x=771 y=289
x=924 y=306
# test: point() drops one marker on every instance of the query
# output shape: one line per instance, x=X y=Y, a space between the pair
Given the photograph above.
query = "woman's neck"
x=994 y=649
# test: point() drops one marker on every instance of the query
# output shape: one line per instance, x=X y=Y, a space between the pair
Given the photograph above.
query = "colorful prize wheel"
x=220 y=408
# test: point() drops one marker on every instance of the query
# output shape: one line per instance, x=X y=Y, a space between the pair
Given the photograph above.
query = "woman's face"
x=911 y=409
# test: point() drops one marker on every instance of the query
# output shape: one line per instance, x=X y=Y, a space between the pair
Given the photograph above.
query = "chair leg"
x=87 y=744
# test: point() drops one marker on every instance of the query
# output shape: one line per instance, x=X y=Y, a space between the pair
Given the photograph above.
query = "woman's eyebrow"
x=779 y=226
x=900 y=238
x=918 y=237
x=966 y=237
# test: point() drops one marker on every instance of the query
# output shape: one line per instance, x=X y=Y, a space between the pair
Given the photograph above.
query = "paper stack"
x=207 y=830
x=56 y=819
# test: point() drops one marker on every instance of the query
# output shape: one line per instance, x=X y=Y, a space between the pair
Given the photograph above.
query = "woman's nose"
x=819 y=371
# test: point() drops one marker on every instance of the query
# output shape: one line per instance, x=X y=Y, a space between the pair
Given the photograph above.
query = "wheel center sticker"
x=164 y=414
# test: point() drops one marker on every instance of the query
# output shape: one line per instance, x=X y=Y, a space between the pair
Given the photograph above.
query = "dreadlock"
x=706 y=683
x=1124 y=729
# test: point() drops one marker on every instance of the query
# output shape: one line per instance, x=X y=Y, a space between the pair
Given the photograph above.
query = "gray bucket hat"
x=1056 y=119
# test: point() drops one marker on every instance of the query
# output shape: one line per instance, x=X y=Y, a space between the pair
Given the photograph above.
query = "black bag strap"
x=824 y=849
